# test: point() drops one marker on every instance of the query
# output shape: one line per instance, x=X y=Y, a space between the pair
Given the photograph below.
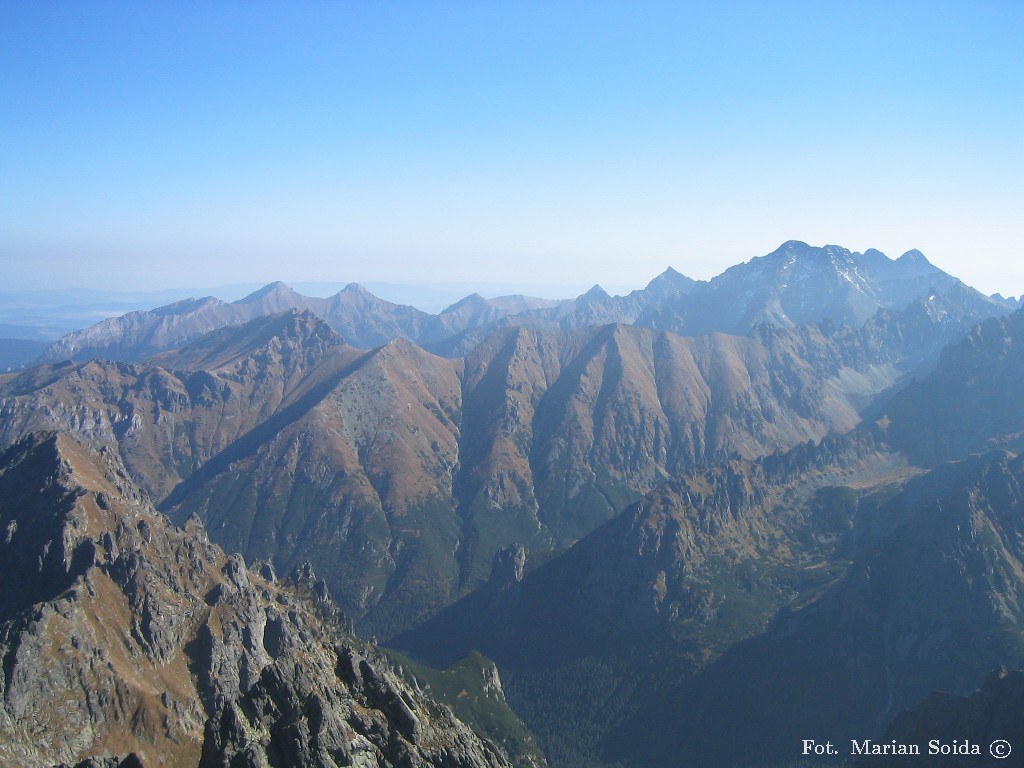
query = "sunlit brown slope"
x=360 y=483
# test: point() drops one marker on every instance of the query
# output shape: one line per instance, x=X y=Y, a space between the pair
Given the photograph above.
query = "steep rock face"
x=473 y=688
x=335 y=707
x=142 y=638
x=95 y=652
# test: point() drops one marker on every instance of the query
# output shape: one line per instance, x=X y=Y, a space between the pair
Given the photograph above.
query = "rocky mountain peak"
x=802 y=251
x=356 y=288
x=276 y=288
x=914 y=264
x=472 y=301
x=597 y=293
x=914 y=257
x=669 y=282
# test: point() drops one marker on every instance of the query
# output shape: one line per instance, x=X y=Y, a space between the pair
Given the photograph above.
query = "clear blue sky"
x=144 y=145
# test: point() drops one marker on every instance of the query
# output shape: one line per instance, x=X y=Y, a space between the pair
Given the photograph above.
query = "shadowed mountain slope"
x=972 y=398
x=930 y=601
x=653 y=596
x=735 y=610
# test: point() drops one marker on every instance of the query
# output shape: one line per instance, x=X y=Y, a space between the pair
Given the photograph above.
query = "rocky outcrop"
x=122 y=634
x=338 y=708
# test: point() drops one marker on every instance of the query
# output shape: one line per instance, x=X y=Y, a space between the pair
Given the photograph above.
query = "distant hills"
x=797 y=283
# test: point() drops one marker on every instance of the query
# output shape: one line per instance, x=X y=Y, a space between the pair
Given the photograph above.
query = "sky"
x=555 y=145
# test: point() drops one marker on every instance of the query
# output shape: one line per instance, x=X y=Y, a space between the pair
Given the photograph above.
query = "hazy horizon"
x=429 y=296
x=150 y=145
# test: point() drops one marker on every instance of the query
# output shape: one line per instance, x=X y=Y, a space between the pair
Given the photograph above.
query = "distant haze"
x=150 y=145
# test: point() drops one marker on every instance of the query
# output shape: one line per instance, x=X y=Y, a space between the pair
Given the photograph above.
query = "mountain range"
x=282 y=437
x=796 y=283
x=689 y=525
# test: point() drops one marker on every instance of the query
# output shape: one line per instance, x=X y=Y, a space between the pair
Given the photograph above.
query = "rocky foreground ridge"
x=122 y=635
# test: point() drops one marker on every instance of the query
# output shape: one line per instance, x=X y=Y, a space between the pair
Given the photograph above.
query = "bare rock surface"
x=128 y=641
